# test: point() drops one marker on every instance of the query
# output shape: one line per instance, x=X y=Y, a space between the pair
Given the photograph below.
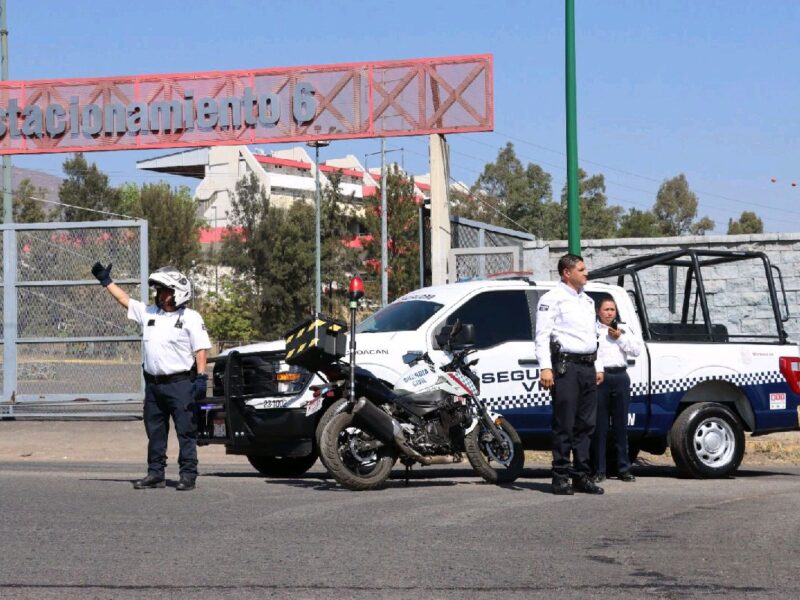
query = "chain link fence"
x=64 y=338
x=481 y=250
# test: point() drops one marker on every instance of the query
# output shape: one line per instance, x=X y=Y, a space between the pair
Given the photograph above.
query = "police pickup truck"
x=717 y=362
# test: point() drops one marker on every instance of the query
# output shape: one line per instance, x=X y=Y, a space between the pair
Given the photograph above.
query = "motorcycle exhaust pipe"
x=368 y=416
x=384 y=427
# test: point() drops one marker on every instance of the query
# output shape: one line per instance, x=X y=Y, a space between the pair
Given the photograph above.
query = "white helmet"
x=170 y=277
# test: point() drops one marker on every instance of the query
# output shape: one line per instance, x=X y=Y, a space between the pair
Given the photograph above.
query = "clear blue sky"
x=707 y=88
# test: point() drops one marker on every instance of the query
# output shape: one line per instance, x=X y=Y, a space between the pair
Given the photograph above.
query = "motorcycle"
x=433 y=415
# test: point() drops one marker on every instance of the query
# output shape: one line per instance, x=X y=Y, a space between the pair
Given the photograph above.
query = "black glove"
x=200 y=387
x=102 y=273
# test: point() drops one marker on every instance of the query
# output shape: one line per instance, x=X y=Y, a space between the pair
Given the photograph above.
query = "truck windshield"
x=399 y=316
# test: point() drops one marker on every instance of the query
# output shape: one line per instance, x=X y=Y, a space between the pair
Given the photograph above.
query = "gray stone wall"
x=737 y=293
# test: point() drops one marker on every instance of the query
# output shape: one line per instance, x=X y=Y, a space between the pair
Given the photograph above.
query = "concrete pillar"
x=440 y=209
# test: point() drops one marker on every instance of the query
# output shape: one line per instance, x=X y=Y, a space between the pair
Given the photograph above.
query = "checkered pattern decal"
x=540 y=397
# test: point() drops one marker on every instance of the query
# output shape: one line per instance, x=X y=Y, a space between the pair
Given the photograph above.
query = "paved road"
x=81 y=531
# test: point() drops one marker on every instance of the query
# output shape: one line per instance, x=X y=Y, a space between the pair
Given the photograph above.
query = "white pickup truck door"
x=504 y=335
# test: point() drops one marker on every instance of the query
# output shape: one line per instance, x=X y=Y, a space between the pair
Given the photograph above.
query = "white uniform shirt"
x=615 y=352
x=567 y=317
x=171 y=339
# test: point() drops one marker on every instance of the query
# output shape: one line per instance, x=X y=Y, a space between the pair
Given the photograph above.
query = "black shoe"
x=627 y=476
x=185 y=484
x=562 y=487
x=150 y=482
x=599 y=477
x=586 y=486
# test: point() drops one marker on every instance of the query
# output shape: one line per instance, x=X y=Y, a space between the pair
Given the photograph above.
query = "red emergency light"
x=356 y=290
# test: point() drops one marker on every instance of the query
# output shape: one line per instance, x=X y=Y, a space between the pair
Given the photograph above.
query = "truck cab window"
x=501 y=316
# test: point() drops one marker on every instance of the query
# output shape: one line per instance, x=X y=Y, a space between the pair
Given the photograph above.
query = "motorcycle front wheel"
x=496 y=462
x=350 y=457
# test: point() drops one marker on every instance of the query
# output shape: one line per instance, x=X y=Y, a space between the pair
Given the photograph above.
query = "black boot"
x=185 y=484
x=586 y=485
x=150 y=482
x=562 y=487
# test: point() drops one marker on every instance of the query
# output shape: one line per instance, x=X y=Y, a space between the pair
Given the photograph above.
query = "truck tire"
x=282 y=466
x=707 y=441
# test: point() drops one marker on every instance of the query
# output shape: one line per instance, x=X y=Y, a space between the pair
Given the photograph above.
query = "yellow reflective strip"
x=289 y=339
x=289 y=354
x=301 y=348
x=335 y=327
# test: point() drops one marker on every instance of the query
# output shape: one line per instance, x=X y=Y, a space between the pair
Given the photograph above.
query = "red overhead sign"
x=324 y=102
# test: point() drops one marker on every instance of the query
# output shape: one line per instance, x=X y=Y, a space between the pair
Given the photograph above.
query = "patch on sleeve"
x=543 y=307
x=204 y=327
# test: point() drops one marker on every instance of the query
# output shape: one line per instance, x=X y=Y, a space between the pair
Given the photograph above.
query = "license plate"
x=273 y=403
x=314 y=405
x=219 y=429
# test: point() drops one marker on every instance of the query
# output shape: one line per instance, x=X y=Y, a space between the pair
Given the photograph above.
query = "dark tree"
x=271 y=251
x=749 y=222
x=86 y=187
x=403 y=232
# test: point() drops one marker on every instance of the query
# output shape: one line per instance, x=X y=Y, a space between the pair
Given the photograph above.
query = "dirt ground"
x=90 y=441
x=125 y=441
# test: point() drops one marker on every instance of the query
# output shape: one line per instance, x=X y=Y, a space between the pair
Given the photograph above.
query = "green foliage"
x=510 y=195
x=638 y=224
x=403 y=232
x=598 y=220
x=271 y=251
x=229 y=314
x=676 y=209
x=26 y=208
x=338 y=262
x=749 y=222
x=172 y=219
x=86 y=186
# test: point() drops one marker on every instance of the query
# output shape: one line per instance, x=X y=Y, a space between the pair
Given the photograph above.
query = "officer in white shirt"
x=614 y=394
x=566 y=348
x=174 y=339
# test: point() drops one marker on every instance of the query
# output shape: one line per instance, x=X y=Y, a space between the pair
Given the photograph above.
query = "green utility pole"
x=573 y=197
x=8 y=213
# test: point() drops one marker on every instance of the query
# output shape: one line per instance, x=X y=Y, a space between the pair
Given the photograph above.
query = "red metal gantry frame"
x=354 y=100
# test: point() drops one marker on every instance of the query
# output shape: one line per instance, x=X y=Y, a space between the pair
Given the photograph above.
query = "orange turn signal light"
x=287 y=377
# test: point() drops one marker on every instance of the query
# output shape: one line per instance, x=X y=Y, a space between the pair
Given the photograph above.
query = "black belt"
x=615 y=369
x=586 y=359
x=173 y=378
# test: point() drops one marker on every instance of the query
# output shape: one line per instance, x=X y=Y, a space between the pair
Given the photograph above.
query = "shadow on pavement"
x=170 y=483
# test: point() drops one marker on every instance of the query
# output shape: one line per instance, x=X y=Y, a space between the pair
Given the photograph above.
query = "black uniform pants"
x=613 y=400
x=574 y=410
x=162 y=401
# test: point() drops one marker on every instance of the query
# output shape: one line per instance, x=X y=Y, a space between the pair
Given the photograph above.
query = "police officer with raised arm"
x=566 y=348
x=174 y=339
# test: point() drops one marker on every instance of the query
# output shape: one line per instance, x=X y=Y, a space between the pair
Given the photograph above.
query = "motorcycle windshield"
x=399 y=316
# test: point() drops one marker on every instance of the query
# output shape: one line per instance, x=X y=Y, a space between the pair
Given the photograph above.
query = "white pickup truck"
x=705 y=378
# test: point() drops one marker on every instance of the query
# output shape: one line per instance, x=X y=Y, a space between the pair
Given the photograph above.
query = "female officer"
x=614 y=393
x=174 y=337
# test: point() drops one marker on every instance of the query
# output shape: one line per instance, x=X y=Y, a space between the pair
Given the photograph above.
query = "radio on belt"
x=316 y=342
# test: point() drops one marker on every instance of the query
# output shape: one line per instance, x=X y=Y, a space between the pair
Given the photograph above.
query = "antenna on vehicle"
x=355 y=292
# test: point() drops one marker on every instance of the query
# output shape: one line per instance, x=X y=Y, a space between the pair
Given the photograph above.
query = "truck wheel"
x=707 y=441
x=282 y=466
x=350 y=456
